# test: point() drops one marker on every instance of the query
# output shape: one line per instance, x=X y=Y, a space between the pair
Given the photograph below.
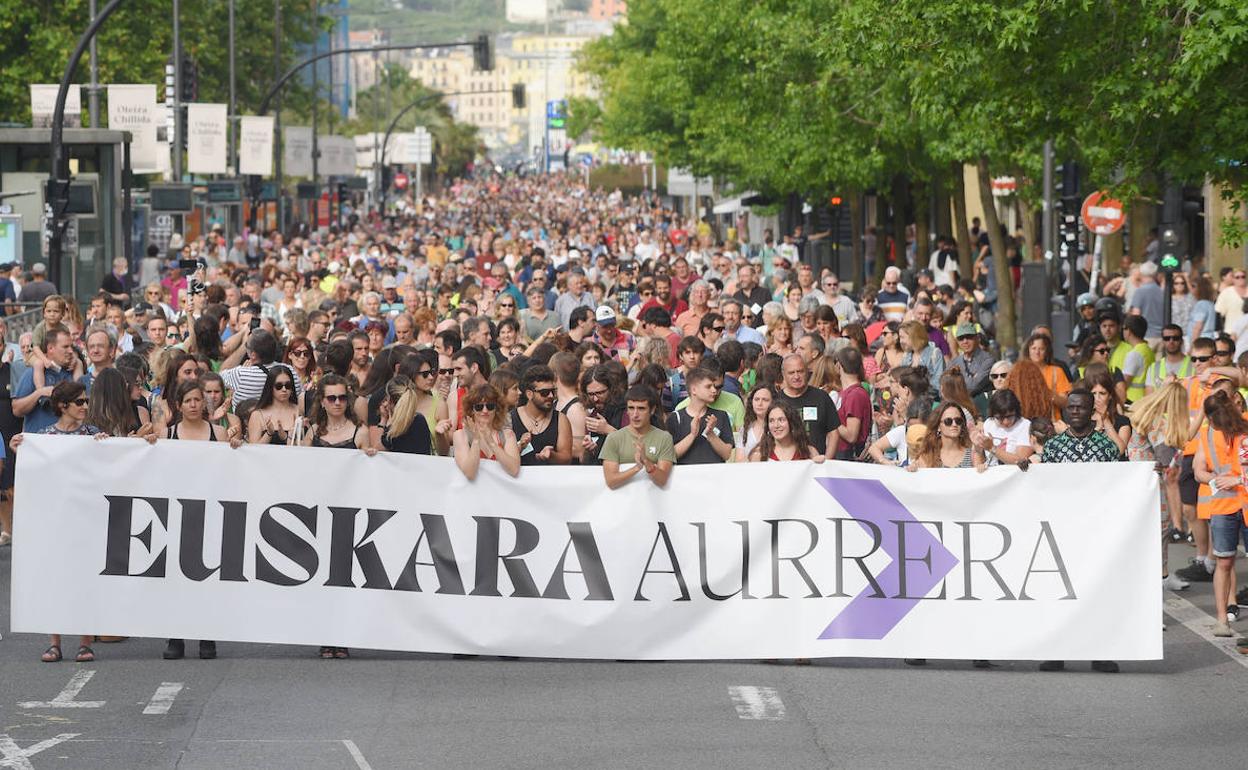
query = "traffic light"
x=482 y=54
x=518 y=97
x=190 y=79
x=1068 y=204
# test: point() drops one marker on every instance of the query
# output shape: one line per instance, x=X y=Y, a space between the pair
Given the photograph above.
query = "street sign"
x=400 y=181
x=1102 y=214
x=556 y=113
x=225 y=192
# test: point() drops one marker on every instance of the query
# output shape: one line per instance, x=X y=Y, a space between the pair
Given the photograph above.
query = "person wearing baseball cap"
x=38 y=288
x=615 y=341
x=974 y=362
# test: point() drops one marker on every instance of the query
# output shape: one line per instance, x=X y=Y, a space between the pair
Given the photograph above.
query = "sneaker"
x=1194 y=573
x=1053 y=665
x=1105 y=666
x=207 y=650
x=1190 y=538
x=1232 y=613
x=1174 y=535
x=1173 y=583
x=1222 y=629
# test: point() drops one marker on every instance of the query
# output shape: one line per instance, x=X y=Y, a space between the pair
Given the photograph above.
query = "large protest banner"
x=767 y=560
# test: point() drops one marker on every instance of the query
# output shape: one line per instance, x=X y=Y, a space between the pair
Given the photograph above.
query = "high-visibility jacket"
x=1196 y=393
x=1135 y=386
x=1160 y=370
x=1118 y=356
x=1222 y=457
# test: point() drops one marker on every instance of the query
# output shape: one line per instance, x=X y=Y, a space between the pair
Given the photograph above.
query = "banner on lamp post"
x=297 y=150
x=133 y=108
x=206 y=144
x=757 y=560
x=43 y=105
x=255 y=145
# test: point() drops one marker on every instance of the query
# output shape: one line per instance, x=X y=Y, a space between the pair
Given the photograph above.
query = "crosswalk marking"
x=65 y=698
x=757 y=702
x=163 y=698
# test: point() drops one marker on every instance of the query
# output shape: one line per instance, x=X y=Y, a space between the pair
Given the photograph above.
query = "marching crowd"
x=534 y=321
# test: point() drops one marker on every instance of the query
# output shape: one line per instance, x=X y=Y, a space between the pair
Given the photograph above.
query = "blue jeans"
x=1226 y=532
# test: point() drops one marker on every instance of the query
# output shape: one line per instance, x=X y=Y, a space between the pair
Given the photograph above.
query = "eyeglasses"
x=446 y=372
x=1223 y=352
x=1172 y=337
x=890 y=283
x=646 y=292
x=1201 y=359
x=285 y=385
x=485 y=407
x=427 y=373
x=336 y=399
x=300 y=353
x=949 y=422
x=506 y=304
x=999 y=376
x=718 y=329
x=79 y=402
x=597 y=393
x=544 y=392
x=1239 y=276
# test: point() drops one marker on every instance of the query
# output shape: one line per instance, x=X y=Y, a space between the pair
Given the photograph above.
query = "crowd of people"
x=534 y=321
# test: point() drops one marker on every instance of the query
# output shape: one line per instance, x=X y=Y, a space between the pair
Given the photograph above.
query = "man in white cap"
x=616 y=342
x=38 y=288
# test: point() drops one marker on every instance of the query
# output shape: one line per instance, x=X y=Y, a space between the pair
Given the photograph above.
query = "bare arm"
x=615 y=477
x=467 y=453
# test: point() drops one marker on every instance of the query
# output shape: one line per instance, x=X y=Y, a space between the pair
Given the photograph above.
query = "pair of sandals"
x=328 y=653
x=53 y=655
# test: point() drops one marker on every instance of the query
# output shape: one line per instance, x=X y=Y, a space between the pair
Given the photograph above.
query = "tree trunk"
x=1031 y=234
x=961 y=233
x=855 y=231
x=1007 y=331
x=922 y=225
x=881 y=238
x=900 y=200
x=944 y=217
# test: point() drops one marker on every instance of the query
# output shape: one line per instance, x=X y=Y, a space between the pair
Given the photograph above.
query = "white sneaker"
x=1222 y=629
x=1172 y=582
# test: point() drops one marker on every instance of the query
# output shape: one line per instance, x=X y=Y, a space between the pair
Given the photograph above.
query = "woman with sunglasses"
x=336 y=425
x=891 y=352
x=69 y=404
x=485 y=435
x=1095 y=351
x=504 y=307
x=786 y=437
x=868 y=309
x=1182 y=301
x=301 y=358
x=274 y=418
x=421 y=370
x=948 y=442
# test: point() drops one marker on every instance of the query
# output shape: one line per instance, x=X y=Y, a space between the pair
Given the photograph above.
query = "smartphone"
x=255 y=323
x=188 y=266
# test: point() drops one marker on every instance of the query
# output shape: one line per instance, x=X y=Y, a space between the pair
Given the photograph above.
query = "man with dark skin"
x=1082 y=442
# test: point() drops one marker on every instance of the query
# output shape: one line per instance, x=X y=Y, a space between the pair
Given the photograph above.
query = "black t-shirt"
x=679 y=423
x=374 y=406
x=415 y=441
x=616 y=414
x=756 y=296
x=819 y=414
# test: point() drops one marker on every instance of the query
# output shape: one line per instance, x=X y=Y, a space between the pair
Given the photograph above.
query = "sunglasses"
x=336 y=399
x=486 y=407
x=1172 y=337
x=446 y=371
x=284 y=385
x=300 y=353
x=1223 y=352
x=999 y=376
x=427 y=373
x=544 y=392
x=506 y=304
x=949 y=422
x=718 y=329
x=1201 y=359
x=79 y=402
x=1105 y=351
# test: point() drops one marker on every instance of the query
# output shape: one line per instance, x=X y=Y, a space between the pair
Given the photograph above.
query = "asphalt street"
x=271 y=706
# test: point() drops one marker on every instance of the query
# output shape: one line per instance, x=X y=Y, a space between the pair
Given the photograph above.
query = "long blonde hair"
x=1166 y=406
x=405 y=398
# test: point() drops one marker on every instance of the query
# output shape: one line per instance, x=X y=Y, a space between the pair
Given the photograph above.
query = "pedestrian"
x=484 y=435
x=646 y=449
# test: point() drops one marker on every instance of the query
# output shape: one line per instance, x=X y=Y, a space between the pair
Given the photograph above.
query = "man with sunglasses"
x=893 y=299
x=1173 y=363
x=545 y=435
x=973 y=361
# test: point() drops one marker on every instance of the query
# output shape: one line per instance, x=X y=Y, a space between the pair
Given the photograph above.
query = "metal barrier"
x=20 y=323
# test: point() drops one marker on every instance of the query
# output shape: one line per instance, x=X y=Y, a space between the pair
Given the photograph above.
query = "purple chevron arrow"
x=867 y=616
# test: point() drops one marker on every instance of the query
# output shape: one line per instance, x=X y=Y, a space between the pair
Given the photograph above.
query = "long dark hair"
x=1225 y=416
x=109 y=408
x=797 y=429
x=266 y=393
x=749 y=407
x=379 y=373
x=929 y=450
x=322 y=416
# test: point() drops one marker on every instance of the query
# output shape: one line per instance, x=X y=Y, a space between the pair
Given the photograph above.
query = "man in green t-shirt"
x=646 y=447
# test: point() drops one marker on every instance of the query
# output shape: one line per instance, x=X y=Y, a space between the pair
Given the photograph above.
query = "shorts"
x=1189 y=488
x=1226 y=531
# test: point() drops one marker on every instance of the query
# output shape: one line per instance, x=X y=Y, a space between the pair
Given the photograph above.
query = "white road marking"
x=65 y=699
x=1200 y=623
x=19 y=758
x=360 y=761
x=162 y=700
x=757 y=702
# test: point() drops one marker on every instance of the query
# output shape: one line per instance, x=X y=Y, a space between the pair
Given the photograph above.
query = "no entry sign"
x=1102 y=214
x=400 y=181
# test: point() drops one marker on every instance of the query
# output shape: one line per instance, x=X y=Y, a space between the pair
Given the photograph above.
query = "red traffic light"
x=836 y=200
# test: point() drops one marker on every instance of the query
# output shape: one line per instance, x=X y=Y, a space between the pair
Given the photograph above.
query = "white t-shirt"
x=1231 y=307
x=897 y=440
x=1010 y=439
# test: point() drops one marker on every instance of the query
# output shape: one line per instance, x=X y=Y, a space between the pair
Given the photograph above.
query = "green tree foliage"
x=37 y=37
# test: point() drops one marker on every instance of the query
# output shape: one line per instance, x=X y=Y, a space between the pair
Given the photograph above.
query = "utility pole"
x=277 y=115
x=177 y=91
x=316 y=97
x=93 y=90
x=231 y=162
x=1048 y=214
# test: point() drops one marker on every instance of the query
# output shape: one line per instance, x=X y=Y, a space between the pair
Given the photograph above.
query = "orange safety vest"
x=1222 y=457
x=1196 y=393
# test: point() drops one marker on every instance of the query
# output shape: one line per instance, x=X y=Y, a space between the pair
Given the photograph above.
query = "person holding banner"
x=485 y=435
x=649 y=449
x=786 y=437
x=947 y=443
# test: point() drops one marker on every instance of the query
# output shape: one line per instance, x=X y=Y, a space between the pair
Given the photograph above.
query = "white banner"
x=255 y=145
x=43 y=104
x=337 y=155
x=297 y=150
x=766 y=560
x=206 y=150
x=133 y=108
